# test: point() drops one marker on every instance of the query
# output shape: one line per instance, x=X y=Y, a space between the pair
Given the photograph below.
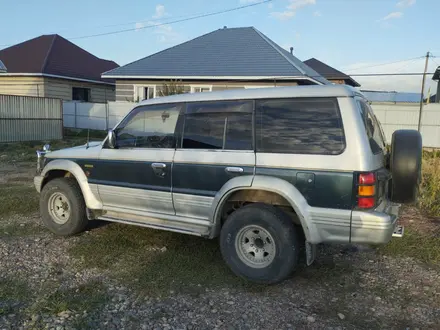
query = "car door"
x=215 y=146
x=136 y=175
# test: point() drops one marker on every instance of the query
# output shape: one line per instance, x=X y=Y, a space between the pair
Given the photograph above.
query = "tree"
x=171 y=88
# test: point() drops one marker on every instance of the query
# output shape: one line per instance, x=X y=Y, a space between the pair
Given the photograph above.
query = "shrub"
x=429 y=194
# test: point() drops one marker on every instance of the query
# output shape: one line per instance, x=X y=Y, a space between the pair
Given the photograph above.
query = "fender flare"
x=67 y=165
x=275 y=185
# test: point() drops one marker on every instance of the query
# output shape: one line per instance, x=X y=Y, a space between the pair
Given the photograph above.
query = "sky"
x=354 y=36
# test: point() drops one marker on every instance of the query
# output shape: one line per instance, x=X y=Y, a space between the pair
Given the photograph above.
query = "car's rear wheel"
x=259 y=242
x=62 y=207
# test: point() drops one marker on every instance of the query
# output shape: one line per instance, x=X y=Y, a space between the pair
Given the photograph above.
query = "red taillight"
x=366 y=202
x=366 y=191
x=367 y=178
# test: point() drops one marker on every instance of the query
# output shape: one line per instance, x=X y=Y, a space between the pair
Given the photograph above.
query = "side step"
x=398 y=231
x=169 y=223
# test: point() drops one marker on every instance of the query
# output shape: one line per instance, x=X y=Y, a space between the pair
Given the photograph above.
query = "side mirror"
x=111 y=137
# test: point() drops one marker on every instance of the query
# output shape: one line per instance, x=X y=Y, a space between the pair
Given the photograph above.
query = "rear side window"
x=218 y=125
x=372 y=127
x=302 y=126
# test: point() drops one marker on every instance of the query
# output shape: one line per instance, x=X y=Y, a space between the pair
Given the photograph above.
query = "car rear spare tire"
x=405 y=165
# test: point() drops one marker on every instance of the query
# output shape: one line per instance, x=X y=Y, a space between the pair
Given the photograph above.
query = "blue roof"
x=228 y=53
x=2 y=67
x=378 y=96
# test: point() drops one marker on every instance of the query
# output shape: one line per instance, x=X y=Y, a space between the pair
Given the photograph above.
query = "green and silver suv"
x=268 y=171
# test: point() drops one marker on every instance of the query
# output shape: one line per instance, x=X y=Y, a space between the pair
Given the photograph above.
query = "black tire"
x=405 y=165
x=77 y=220
x=278 y=225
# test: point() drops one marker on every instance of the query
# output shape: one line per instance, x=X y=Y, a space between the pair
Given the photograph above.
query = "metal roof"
x=56 y=56
x=2 y=67
x=436 y=75
x=228 y=53
x=260 y=93
x=330 y=73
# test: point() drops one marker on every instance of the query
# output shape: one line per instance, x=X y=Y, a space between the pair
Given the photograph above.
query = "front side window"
x=372 y=127
x=218 y=125
x=149 y=127
x=302 y=126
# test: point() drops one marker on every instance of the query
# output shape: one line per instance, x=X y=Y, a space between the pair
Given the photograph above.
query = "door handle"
x=234 y=169
x=158 y=166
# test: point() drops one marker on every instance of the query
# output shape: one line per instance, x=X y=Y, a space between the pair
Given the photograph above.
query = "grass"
x=133 y=254
x=429 y=193
x=18 y=199
x=421 y=246
x=25 y=151
x=86 y=297
x=13 y=293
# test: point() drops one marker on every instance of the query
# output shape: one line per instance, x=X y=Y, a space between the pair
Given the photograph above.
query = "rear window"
x=372 y=127
x=302 y=126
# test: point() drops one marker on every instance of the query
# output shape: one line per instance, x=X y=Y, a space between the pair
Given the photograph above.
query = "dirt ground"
x=117 y=276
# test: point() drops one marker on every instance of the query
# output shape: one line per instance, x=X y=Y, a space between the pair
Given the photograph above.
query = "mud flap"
x=310 y=253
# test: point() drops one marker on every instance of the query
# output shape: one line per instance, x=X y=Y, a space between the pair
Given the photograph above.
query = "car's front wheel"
x=62 y=207
x=259 y=242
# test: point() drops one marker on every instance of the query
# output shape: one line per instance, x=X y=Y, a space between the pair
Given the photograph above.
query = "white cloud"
x=291 y=9
x=393 y=15
x=139 y=26
x=160 y=12
x=164 y=32
x=317 y=14
x=406 y=3
x=400 y=83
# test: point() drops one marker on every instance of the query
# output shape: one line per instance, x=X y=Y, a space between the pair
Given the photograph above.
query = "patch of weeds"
x=21 y=230
x=18 y=199
x=156 y=261
x=424 y=247
x=13 y=293
x=26 y=151
x=86 y=297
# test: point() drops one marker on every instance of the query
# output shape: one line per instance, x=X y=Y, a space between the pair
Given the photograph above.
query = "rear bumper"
x=374 y=227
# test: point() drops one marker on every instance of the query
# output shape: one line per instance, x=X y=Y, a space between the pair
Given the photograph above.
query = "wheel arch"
x=275 y=186
x=57 y=167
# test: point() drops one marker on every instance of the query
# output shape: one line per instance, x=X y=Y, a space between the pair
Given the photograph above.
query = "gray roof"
x=2 y=67
x=260 y=93
x=228 y=53
x=436 y=75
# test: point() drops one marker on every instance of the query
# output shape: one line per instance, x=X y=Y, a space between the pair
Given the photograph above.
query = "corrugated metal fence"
x=406 y=116
x=27 y=118
x=100 y=116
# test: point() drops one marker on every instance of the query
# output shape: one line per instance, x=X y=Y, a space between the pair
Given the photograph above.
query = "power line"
x=172 y=22
x=389 y=63
x=188 y=18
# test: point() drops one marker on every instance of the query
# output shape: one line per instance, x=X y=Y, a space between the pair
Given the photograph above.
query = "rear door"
x=378 y=147
x=136 y=175
x=216 y=145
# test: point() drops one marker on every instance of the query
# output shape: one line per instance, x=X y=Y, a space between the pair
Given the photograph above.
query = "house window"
x=201 y=89
x=81 y=94
x=144 y=93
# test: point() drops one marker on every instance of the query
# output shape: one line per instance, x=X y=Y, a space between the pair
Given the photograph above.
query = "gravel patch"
x=347 y=288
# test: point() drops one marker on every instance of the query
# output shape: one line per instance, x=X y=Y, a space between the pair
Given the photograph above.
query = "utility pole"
x=423 y=89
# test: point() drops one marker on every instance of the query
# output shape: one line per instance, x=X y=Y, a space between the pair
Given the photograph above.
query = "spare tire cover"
x=405 y=165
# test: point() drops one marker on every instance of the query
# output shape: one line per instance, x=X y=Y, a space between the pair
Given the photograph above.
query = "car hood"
x=82 y=151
